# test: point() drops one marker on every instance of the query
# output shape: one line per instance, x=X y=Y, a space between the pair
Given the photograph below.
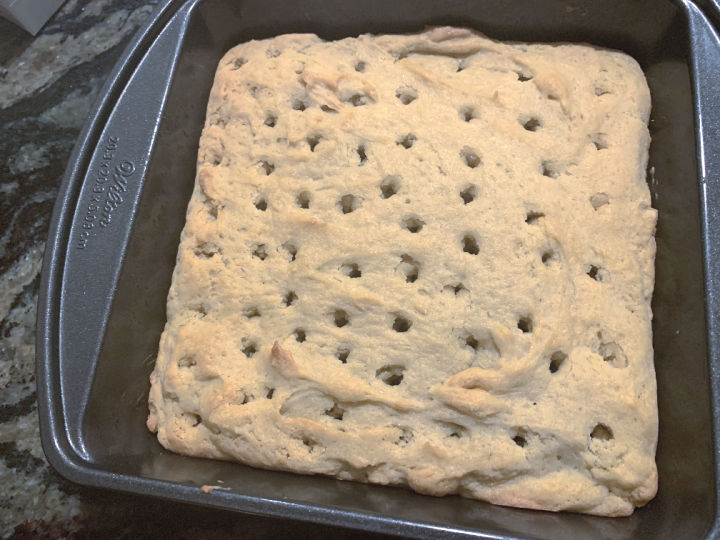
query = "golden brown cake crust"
x=423 y=260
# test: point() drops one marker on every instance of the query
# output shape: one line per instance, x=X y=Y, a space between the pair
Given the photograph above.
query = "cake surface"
x=421 y=260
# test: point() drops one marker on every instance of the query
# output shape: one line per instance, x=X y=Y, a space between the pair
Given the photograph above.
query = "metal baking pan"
x=117 y=222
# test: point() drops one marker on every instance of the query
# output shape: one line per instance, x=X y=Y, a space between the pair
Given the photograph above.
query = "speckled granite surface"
x=47 y=87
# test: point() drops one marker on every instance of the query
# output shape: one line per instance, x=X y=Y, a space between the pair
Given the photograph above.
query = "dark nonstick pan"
x=117 y=222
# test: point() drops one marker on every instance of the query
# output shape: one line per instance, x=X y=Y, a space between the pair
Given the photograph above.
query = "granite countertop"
x=48 y=85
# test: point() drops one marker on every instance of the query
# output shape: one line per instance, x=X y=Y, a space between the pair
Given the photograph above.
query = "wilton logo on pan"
x=108 y=191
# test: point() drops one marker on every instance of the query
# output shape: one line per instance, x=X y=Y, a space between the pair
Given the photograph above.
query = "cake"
x=421 y=260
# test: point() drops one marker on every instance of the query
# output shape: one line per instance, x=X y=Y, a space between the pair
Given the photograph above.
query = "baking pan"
x=121 y=208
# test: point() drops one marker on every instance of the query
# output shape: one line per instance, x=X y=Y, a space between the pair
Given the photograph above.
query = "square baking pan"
x=117 y=222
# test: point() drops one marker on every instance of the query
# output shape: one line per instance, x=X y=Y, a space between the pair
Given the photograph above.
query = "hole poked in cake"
x=456 y=288
x=270 y=119
x=357 y=99
x=469 y=193
x=213 y=207
x=255 y=90
x=290 y=298
x=342 y=354
x=520 y=439
x=362 y=154
x=468 y=113
x=269 y=393
x=595 y=272
x=551 y=252
x=360 y=66
x=266 y=167
x=206 y=250
x=478 y=340
x=260 y=251
x=470 y=157
x=525 y=323
x=327 y=109
x=261 y=203
x=291 y=251
x=300 y=335
x=237 y=63
x=335 y=412
x=557 y=359
x=389 y=186
x=214 y=156
x=309 y=404
x=349 y=203
x=313 y=141
x=192 y=418
x=548 y=256
x=300 y=103
x=452 y=430
x=613 y=354
x=601 y=90
x=249 y=347
x=472 y=342
x=599 y=140
x=549 y=169
x=340 y=318
x=599 y=200
x=351 y=270
x=401 y=323
x=406 y=141
x=405 y=437
x=310 y=444
x=470 y=244
x=413 y=224
x=524 y=76
x=532 y=217
x=392 y=375
x=602 y=432
x=187 y=361
x=406 y=95
x=251 y=312
x=409 y=267
x=530 y=123
x=303 y=200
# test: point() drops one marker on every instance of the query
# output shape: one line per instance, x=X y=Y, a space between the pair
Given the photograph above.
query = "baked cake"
x=421 y=260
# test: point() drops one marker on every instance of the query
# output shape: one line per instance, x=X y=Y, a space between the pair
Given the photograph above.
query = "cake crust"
x=421 y=260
